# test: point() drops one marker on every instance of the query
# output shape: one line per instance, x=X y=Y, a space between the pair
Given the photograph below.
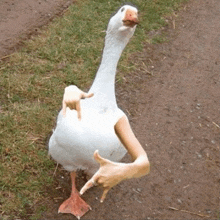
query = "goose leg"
x=74 y=205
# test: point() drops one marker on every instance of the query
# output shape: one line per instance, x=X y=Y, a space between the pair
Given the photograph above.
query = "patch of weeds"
x=158 y=39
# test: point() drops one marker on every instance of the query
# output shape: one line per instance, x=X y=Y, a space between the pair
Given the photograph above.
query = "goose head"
x=124 y=21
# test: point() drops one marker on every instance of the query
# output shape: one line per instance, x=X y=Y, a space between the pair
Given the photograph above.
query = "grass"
x=32 y=82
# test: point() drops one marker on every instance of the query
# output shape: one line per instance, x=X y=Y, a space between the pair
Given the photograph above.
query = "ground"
x=172 y=101
x=21 y=19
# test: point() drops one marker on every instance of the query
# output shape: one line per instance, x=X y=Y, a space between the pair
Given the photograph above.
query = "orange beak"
x=131 y=18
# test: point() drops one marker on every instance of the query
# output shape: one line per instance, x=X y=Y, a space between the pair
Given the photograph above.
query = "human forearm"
x=140 y=167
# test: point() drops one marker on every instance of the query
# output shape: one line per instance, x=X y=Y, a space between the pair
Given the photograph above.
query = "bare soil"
x=173 y=102
x=19 y=19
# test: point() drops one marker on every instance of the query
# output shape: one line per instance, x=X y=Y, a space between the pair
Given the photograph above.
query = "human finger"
x=78 y=109
x=64 y=108
x=104 y=195
x=87 y=186
x=94 y=183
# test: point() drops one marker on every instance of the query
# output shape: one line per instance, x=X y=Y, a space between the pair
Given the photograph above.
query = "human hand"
x=108 y=175
x=72 y=97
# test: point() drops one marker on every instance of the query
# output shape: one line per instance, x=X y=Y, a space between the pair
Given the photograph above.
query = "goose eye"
x=122 y=9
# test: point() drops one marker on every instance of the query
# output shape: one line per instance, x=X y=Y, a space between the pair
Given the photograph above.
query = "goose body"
x=74 y=141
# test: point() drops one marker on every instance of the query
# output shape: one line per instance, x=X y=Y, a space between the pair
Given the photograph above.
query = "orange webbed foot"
x=75 y=206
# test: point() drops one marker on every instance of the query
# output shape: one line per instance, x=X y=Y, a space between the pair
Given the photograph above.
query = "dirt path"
x=21 y=18
x=180 y=117
x=175 y=113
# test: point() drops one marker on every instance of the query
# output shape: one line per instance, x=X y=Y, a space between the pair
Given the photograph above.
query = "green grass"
x=32 y=82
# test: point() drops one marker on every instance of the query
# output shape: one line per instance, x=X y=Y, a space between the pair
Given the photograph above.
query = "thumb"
x=87 y=95
x=98 y=158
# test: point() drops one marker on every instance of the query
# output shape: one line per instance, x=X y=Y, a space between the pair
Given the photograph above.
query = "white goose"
x=97 y=123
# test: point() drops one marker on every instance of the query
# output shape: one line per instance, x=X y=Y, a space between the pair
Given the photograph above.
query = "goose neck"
x=105 y=78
